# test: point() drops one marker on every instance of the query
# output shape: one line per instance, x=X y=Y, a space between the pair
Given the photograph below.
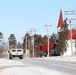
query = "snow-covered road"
x=15 y=67
x=65 y=65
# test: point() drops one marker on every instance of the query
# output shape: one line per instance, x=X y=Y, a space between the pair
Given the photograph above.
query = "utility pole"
x=26 y=46
x=70 y=20
x=27 y=50
x=47 y=26
x=32 y=32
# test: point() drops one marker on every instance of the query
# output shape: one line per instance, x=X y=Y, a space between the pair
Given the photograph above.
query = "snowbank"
x=28 y=71
x=7 y=62
x=24 y=70
x=61 y=58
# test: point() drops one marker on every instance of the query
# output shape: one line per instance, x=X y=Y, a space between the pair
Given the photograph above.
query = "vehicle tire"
x=10 y=56
x=21 y=56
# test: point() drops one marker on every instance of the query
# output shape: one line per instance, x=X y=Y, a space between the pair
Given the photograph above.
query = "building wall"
x=70 y=52
x=58 y=29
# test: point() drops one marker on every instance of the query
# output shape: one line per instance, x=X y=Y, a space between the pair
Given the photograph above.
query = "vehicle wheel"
x=10 y=56
x=21 y=56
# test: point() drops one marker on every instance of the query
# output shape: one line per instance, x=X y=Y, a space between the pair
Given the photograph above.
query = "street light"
x=47 y=26
x=70 y=13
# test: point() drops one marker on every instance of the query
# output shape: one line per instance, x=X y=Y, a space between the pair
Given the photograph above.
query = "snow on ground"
x=27 y=70
x=4 y=62
x=61 y=58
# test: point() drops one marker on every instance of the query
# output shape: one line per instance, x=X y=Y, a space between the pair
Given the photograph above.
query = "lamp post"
x=47 y=26
x=70 y=13
x=32 y=32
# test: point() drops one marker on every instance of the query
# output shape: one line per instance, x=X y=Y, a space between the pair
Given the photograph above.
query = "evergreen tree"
x=62 y=40
x=37 y=40
x=44 y=40
x=26 y=41
x=52 y=38
x=19 y=45
x=12 y=41
x=1 y=36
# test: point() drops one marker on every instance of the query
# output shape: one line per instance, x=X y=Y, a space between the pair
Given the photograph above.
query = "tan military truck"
x=15 y=53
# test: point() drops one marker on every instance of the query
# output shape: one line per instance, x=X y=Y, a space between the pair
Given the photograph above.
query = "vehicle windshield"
x=13 y=50
x=19 y=50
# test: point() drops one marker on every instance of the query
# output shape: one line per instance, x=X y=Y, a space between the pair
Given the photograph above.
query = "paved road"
x=62 y=66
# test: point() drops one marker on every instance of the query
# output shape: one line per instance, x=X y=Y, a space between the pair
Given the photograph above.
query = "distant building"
x=69 y=51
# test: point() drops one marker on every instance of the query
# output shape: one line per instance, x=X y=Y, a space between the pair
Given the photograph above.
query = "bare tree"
x=3 y=46
x=3 y=50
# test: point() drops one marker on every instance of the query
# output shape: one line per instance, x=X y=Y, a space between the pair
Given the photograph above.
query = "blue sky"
x=19 y=16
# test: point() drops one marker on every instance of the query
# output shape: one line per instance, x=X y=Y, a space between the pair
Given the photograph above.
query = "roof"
x=73 y=34
x=45 y=47
x=60 y=23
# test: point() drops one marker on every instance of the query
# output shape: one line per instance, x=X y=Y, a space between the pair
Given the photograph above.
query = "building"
x=71 y=49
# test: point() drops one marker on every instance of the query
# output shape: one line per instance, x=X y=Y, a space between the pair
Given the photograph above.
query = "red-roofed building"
x=69 y=51
x=45 y=47
x=73 y=34
x=60 y=23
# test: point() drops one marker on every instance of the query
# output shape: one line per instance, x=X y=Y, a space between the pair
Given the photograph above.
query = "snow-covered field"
x=24 y=69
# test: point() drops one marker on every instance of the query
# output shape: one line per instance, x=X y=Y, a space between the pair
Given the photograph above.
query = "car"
x=16 y=53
